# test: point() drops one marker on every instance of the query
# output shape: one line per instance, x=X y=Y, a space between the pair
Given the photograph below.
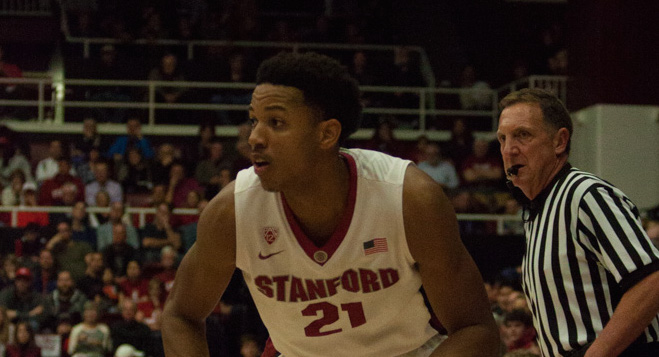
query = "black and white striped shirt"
x=585 y=248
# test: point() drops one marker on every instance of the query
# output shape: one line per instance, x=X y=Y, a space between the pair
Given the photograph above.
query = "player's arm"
x=202 y=277
x=451 y=280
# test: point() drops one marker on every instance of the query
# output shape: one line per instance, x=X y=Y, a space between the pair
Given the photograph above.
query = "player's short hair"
x=553 y=110
x=326 y=84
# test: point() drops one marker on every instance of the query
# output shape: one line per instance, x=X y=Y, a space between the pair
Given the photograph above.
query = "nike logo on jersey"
x=264 y=257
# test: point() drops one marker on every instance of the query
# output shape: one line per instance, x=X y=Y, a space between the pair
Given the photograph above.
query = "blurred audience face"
x=55 y=149
x=432 y=154
x=134 y=127
x=133 y=270
x=64 y=228
x=217 y=149
x=64 y=282
x=101 y=172
x=79 y=211
x=118 y=233
x=102 y=199
x=116 y=211
x=168 y=64
x=46 y=260
x=128 y=310
x=89 y=127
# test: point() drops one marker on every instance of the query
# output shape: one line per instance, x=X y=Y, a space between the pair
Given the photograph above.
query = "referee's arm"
x=638 y=306
x=619 y=225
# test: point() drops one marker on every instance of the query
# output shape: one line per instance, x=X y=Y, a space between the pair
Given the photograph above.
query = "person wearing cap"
x=127 y=350
x=21 y=301
x=30 y=200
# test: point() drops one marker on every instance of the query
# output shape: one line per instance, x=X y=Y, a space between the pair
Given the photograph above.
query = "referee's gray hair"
x=554 y=112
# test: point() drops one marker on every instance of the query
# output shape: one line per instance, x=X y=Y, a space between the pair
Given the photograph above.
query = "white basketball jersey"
x=358 y=295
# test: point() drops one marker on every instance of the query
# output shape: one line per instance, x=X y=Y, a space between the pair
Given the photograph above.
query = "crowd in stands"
x=99 y=279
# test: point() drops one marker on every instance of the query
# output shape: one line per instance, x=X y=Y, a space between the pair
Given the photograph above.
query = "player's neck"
x=319 y=206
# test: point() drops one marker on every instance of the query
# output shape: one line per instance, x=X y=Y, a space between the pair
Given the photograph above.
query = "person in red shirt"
x=53 y=190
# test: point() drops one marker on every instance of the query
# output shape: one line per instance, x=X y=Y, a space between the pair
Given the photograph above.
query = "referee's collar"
x=532 y=207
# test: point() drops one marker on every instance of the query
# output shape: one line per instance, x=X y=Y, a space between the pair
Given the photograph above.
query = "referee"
x=590 y=272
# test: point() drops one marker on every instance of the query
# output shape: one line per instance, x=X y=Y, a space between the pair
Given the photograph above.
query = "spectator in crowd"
x=167 y=155
x=203 y=142
x=12 y=194
x=461 y=143
x=419 y=152
x=83 y=145
x=192 y=202
x=85 y=169
x=110 y=289
x=103 y=182
x=383 y=139
x=239 y=72
x=63 y=330
x=481 y=170
x=90 y=338
x=108 y=66
x=207 y=171
x=180 y=184
x=102 y=201
x=133 y=138
x=406 y=73
x=21 y=301
x=169 y=70
x=168 y=264
x=7 y=330
x=242 y=147
x=10 y=264
x=66 y=299
x=158 y=234
x=116 y=215
x=475 y=93
x=45 y=274
x=127 y=350
x=49 y=166
x=69 y=254
x=28 y=247
x=135 y=173
x=24 y=344
x=189 y=231
x=223 y=178
x=30 y=200
x=249 y=346
x=81 y=229
x=441 y=170
x=117 y=255
x=91 y=284
x=149 y=311
x=53 y=191
x=8 y=90
x=130 y=331
x=518 y=332
x=134 y=285
x=12 y=158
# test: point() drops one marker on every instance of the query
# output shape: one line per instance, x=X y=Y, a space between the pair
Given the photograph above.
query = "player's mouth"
x=260 y=165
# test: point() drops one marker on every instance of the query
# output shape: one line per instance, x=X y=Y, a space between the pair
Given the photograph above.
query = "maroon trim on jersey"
x=340 y=232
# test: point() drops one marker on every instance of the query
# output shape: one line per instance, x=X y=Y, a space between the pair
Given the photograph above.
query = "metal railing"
x=25 y=8
x=142 y=213
x=49 y=96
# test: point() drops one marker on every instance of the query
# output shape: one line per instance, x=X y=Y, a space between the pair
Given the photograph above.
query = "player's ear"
x=329 y=131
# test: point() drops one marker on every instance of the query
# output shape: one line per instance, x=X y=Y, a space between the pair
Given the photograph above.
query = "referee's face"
x=530 y=146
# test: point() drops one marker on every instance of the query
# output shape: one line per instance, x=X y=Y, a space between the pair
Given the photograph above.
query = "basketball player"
x=334 y=244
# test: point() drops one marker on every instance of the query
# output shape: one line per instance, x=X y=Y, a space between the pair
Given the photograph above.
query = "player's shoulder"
x=376 y=166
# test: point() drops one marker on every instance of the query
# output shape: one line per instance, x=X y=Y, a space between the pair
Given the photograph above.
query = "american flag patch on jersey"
x=376 y=245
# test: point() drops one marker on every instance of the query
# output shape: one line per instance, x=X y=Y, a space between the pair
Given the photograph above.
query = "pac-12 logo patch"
x=270 y=234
